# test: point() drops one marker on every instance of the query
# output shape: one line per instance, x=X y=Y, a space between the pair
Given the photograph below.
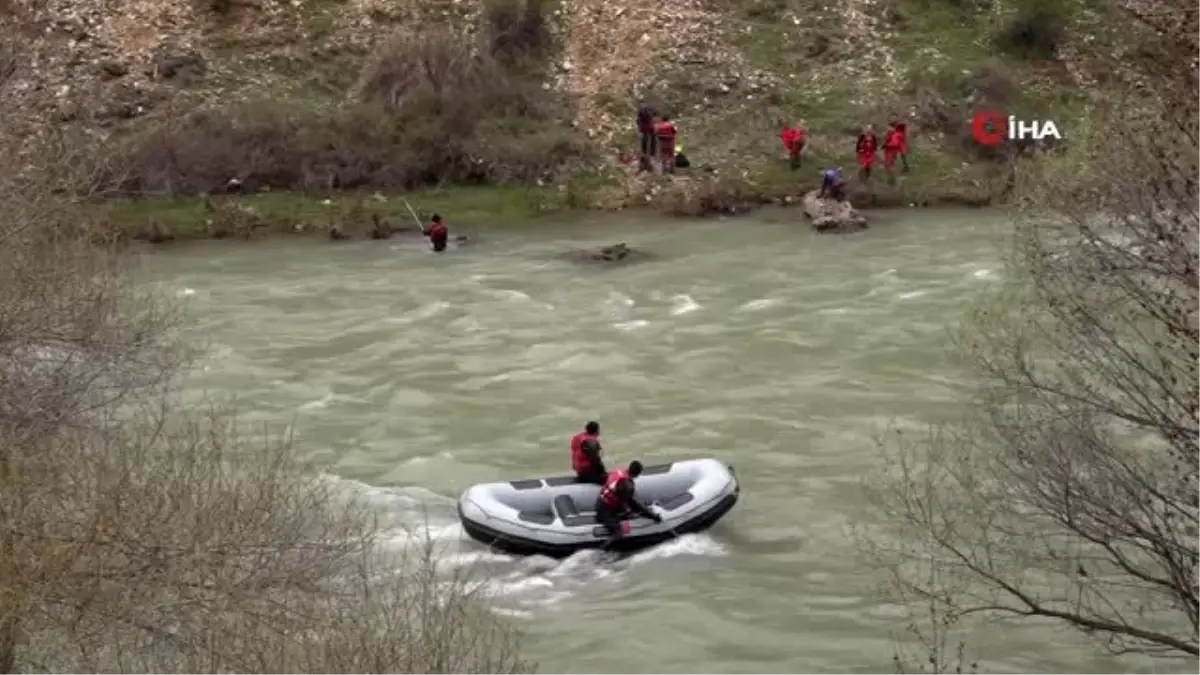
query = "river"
x=414 y=375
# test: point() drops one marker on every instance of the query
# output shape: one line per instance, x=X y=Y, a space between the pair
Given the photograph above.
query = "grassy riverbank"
x=532 y=97
x=354 y=214
x=359 y=214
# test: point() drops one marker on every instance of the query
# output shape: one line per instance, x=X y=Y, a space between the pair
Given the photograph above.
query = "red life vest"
x=867 y=145
x=608 y=493
x=437 y=231
x=579 y=459
x=894 y=140
x=666 y=132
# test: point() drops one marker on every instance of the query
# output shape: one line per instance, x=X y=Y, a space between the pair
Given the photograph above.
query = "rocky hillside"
x=729 y=72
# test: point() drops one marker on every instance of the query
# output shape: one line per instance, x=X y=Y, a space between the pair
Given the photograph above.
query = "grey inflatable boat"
x=556 y=516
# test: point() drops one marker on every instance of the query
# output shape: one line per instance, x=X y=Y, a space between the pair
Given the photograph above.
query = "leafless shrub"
x=1073 y=495
x=182 y=548
x=1037 y=29
x=516 y=32
x=138 y=535
x=431 y=106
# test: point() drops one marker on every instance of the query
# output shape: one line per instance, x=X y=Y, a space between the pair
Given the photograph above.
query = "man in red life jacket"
x=585 y=455
x=794 y=140
x=645 y=128
x=894 y=146
x=865 y=149
x=665 y=133
x=438 y=233
x=617 y=499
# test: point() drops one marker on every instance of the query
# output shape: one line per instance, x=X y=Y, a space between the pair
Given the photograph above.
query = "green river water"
x=411 y=376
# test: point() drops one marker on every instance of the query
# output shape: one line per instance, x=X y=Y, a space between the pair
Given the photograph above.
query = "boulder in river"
x=616 y=254
x=830 y=215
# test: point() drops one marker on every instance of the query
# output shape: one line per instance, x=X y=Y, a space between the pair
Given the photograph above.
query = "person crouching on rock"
x=665 y=132
x=832 y=185
x=617 y=499
x=585 y=455
x=438 y=233
x=865 y=149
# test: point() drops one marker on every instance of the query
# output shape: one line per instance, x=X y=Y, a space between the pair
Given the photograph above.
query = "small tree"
x=1073 y=495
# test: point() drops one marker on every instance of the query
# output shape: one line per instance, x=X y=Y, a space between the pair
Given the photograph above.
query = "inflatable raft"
x=556 y=516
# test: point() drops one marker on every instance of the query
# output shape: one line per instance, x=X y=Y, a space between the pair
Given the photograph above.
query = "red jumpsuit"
x=666 y=133
x=865 y=149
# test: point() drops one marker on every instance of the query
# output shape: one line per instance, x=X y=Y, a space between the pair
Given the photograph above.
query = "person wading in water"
x=438 y=233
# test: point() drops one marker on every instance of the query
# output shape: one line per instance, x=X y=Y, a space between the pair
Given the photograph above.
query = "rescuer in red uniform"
x=585 y=455
x=617 y=499
x=438 y=233
x=665 y=132
x=865 y=150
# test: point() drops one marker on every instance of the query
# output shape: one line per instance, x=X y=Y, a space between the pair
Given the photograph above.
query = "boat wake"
x=414 y=517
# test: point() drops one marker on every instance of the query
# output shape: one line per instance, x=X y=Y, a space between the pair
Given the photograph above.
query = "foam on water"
x=322 y=402
x=627 y=326
x=761 y=303
x=418 y=517
x=683 y=304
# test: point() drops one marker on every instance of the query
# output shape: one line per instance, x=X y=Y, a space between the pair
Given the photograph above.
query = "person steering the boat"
x=617 y=499
x=585 y=455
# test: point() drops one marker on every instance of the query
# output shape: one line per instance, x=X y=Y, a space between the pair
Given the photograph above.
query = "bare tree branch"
x=138 y=535
x=1073 y=495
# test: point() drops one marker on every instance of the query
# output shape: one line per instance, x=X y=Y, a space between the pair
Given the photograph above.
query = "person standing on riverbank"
x=438 y=233
x=646 y=140
x=665 y=133
x=794 y=139
x=865 y=149
x=895 y=144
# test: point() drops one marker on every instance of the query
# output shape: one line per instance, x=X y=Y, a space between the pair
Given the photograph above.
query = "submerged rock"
x=607 y=255
x=830 y=215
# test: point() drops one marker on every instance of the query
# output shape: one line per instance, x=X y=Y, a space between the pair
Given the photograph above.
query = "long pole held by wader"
x=414 y=217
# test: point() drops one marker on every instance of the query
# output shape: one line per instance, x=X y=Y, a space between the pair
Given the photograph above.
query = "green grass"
x=190 y=218
x=933 y=35
x=940 y=45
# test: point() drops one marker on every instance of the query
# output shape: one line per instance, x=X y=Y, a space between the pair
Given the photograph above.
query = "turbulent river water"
x=412 y=375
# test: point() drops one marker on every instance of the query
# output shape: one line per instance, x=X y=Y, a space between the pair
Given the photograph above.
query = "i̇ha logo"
x=992 y=128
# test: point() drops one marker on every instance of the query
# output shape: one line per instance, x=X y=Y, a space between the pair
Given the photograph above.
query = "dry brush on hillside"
x=139 y=534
